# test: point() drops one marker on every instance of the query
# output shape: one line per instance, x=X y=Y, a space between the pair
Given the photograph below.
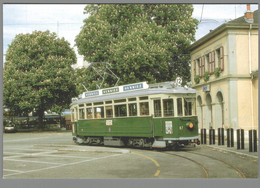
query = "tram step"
x=110 y=141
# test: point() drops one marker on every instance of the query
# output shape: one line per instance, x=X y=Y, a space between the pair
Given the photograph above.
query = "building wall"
x=234 y=84
x=255 y=101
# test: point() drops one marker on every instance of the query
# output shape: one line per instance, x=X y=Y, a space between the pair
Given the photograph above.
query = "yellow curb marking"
x=157 y=173
x=154 y=161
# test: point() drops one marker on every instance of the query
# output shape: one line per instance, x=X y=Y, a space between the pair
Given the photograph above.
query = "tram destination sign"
x=91 y=93
x=119 y=89
x=133 y=87
x=110 y=90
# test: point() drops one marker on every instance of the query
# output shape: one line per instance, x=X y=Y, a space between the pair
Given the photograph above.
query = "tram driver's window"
x=132 y=109
x=168 y=109
x=179 y=106
x=109 y=111
x=120 y=110
x=89 y=113
x=76 y=114
x=188 y=106
x=144 y=109
x=99 y=112
x=81 y=113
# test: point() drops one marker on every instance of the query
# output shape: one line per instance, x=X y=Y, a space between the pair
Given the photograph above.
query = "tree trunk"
x=41 y=123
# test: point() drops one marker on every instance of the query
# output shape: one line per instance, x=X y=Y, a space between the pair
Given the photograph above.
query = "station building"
x=224 y=72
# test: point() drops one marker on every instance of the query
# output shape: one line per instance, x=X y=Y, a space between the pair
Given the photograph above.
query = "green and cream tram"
x=136 y=115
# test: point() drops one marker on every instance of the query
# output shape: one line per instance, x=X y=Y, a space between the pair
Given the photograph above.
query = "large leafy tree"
x=38 y=74
x=141 y=42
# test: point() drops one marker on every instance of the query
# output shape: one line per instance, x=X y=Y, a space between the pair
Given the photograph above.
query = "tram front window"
x=157 y=108
x=132 y=109
x=188 y=106
x=81 y=113
x=168 y=109
x=120 y=110
x=179 y=106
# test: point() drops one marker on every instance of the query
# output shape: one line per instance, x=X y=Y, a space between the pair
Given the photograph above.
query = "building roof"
x=241 y=20
x=239 y=23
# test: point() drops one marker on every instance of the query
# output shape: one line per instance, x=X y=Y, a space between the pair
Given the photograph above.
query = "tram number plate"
x=109 y=122
x=168 y=127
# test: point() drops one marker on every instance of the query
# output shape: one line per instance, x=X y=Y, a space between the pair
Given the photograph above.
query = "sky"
x=67 y=20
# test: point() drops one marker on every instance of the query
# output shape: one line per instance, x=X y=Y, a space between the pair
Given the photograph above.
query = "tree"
x=38 y=74
x=142 y=42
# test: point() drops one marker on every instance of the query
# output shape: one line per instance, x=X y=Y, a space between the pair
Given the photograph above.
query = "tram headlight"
x=190 y=125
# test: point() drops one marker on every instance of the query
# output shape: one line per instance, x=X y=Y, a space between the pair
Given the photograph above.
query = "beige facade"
x=230 y=99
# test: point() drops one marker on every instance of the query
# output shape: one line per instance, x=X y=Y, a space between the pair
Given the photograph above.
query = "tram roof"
x=149 y=91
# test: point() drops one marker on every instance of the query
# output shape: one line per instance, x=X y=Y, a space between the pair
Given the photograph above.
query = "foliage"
x=217 y=72
x=206 y=76
x=37 y=74
x=142 y=42
x=197 y=79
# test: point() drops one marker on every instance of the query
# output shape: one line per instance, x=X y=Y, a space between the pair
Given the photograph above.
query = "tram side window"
x=132 y=109
x=109 y=111
x=120 y=110
x=99 y=112
x=179 y=106
x=81 y=113
x=168 y=108
x=157 y=108
x=188 y=106
x=89 y=113
x=144 y=109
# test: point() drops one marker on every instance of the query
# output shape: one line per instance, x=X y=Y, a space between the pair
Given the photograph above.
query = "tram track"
x=205 y=171
x=238 y=171
x=203 y=167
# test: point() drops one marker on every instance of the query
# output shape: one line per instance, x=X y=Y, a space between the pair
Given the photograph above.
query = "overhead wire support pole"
x=113 y=74
x=104 y=70
x=201 y=12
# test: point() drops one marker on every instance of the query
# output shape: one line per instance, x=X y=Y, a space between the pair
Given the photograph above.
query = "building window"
x=194 y=68
x=202 y=65
x=207 y=62
x=220 y=57
x=211 y=62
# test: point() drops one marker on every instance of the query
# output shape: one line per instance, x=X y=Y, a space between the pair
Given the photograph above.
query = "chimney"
x=249 y=15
